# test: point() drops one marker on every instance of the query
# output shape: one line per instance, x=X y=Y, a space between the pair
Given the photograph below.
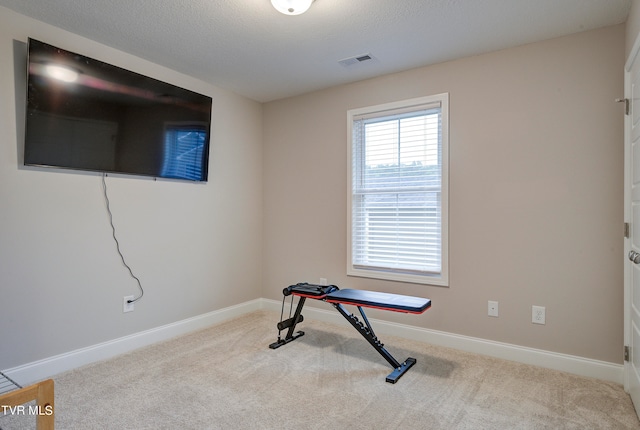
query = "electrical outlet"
x=126 y=306
x=538 y=314
x=323 y=281
x=493 y=308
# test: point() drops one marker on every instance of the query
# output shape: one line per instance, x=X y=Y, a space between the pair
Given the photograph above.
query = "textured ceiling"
x=248 y=47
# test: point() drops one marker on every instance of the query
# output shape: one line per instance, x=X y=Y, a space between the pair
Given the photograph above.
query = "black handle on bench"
x=289 y=322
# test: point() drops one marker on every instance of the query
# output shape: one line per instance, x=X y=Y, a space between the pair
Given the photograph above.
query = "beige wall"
x=195 y=247
x=633 y=25
x=536 y=202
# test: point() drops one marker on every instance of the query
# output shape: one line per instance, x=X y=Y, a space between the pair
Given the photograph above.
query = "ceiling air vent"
x=355 y=60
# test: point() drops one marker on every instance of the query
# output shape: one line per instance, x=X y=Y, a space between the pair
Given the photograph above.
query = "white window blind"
x=398 y=191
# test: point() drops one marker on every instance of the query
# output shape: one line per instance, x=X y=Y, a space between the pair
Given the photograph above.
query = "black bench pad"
x=385 y=301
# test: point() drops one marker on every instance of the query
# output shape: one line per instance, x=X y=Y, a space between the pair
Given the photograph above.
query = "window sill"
x=436 y=280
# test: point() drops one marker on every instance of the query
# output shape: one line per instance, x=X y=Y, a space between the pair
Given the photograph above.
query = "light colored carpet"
x=226 y=377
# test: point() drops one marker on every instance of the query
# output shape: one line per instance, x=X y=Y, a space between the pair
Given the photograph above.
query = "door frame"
x=628 y=215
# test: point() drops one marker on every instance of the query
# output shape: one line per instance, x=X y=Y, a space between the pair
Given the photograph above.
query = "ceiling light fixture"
x=292 y=7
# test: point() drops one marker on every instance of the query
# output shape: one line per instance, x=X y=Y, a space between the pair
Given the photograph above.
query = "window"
x=398 y=198
x=183 y=151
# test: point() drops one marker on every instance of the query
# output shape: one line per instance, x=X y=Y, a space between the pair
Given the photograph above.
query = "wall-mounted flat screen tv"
x=85 y=114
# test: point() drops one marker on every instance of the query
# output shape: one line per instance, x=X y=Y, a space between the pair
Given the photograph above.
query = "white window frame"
x=440 y=278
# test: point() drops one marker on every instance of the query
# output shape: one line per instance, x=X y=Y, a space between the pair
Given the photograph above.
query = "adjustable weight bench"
x=359 y=298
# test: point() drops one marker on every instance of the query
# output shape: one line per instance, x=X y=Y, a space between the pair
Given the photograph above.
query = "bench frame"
x=323 y=293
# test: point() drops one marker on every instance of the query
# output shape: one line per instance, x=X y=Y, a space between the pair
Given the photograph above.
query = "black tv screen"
x=85 y=114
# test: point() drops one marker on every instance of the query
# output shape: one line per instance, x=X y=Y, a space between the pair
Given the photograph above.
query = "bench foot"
x=399 y=371
x=286 y=340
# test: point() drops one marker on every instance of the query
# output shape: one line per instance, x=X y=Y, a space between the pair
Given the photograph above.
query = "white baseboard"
x=547 y=359
x=48 y=367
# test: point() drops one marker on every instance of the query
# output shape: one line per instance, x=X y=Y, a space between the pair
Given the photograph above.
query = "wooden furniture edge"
x=43 y=393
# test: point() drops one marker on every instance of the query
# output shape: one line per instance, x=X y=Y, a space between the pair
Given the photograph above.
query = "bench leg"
x=367 y=332
x=291 y=324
